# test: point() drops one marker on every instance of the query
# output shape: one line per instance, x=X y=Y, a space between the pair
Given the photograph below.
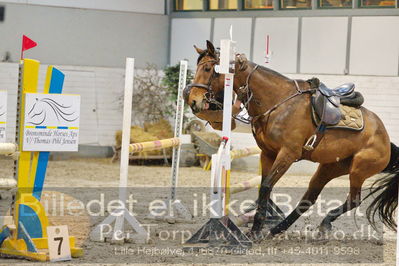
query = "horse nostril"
x=194 y=107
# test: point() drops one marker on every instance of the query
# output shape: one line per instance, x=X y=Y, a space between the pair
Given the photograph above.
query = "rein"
x=242 y=92
x=245 y=89
x=298 y=92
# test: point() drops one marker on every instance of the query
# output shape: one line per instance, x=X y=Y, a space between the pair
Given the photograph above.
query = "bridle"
x=243 y=91
x=209 y=95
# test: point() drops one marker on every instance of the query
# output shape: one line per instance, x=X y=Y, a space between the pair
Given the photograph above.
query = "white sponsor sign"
x=51 y=122
x=3 y=115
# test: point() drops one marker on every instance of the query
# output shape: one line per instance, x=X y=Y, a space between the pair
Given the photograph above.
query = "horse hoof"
x=325 y=227
x=254 y=236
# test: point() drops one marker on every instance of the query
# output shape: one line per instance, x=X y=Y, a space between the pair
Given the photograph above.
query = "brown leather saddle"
x=326 y=101
x=326 y=104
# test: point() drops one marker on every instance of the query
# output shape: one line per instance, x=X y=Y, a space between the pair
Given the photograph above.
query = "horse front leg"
x=283 y=161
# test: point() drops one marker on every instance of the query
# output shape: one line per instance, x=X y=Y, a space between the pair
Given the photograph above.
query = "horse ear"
x=200 y=51
x=210 y=48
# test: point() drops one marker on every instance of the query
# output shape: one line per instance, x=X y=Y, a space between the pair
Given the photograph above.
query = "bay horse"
x=281 y=124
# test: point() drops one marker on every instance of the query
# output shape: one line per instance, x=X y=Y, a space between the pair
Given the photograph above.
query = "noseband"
x=209 y=95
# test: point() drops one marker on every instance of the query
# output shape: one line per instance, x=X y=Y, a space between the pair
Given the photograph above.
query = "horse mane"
x=270 y=71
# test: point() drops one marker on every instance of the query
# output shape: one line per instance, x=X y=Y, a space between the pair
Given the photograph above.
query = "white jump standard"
x=104 y=229
x=177 y=210
x=220 y=231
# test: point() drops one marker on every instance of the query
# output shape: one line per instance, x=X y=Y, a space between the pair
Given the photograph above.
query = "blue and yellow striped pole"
x=28 y=236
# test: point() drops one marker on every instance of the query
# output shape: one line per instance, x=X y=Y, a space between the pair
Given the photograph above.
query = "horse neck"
x=268 y=87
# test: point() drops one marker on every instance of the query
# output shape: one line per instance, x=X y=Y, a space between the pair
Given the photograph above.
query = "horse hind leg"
x=365 y=164
x=324 y=174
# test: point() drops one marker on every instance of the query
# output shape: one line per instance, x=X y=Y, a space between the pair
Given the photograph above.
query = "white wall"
x=241 y=32
x=375 y=46
x=323 y=45
x=68 y=36
x=283 y=34
x=186 y=33
x=147 y=6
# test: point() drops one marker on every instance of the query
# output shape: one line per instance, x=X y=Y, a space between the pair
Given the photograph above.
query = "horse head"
x=205 y=94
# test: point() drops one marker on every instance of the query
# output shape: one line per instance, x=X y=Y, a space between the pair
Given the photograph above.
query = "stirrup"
x=309 y=144
x=243 y=119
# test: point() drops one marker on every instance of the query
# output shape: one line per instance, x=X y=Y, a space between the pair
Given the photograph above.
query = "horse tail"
x=386 y=188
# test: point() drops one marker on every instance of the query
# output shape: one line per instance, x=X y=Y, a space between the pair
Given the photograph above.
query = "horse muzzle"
x=196 y=99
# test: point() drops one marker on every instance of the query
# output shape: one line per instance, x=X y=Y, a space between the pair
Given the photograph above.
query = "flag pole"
x=27 y=44
x=22 y=48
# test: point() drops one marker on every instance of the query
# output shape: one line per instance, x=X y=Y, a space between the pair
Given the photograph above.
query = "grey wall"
x=139 y=6
x=375 y=46
x=283 y=34
x=71 y=36
x=242 y=32
x=359 y=45
x=324 y=42
x=184 y=34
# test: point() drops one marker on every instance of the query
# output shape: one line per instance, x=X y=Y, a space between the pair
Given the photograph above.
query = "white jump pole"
x=119 y=216
x=126 y=127
x=177 y=208
x=7 y=148
x=221 y=161
x=178 y=128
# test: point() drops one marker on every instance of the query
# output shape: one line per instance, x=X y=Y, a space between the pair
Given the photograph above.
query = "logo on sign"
x=48 y=109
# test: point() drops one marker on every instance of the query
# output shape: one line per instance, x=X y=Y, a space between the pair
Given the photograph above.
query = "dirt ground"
x=84 y=179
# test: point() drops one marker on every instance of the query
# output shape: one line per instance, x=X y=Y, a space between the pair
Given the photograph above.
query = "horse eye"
x=207 y=69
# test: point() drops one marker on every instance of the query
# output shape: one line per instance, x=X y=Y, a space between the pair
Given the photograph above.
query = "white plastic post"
x=178 y=128
x=177 y=209
x=216 y=184
x=226 y=132
x=121 y=215
x=227 y=68
x=126 y=126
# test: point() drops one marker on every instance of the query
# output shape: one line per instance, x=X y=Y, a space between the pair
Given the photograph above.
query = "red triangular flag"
x=27 y=43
